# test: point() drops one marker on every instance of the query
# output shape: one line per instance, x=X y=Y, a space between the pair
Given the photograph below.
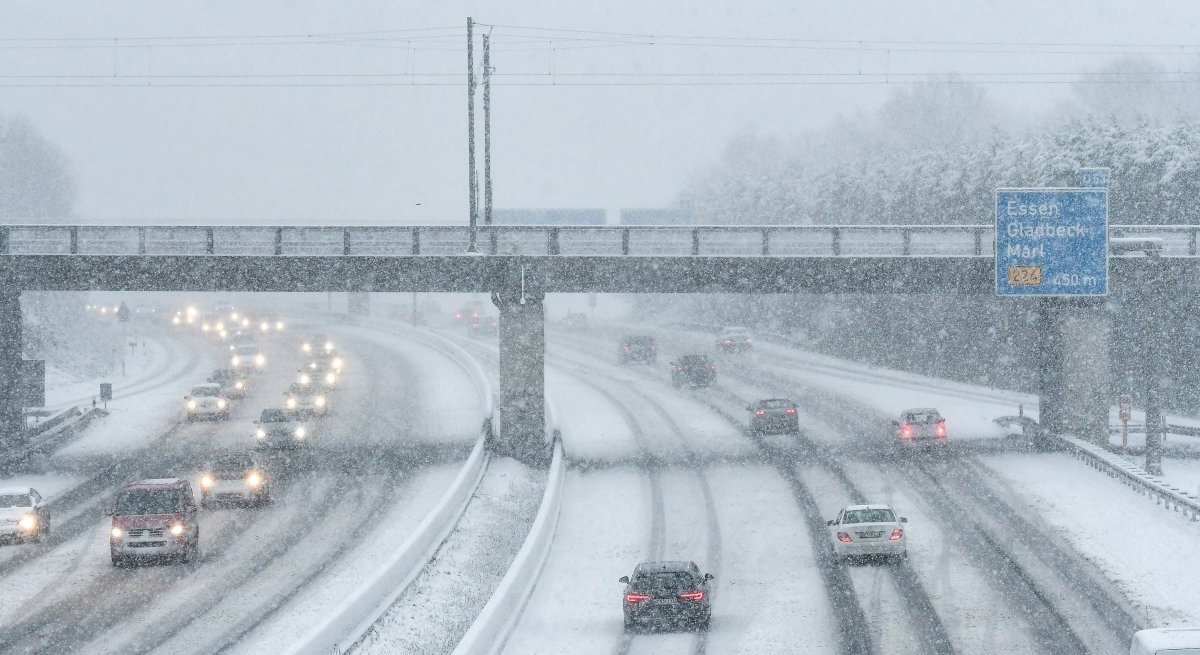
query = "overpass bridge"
x=520 y=264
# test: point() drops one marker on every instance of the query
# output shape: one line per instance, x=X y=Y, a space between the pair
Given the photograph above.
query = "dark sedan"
x=774 y=416
x=667 y=595
x=693 y=371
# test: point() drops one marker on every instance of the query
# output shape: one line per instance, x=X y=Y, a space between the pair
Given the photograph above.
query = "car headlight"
x=221 y=326
x=235 y=360
x=222 y=403
x=239 y=385
x=337 y=363
x=233 y=316
x=28 y=522
x=260 y=360
x=306 y=348
x=177 y=530
x=328 y=346
x=279 y=325
x=176 y=320
x=304 y=379
x=291 y=403
x=245 y=322
x=260 y=433
x=300 y=431
x=264 y=326
x=254 y=479
x=330 y=378
x=320 y=401
x=117 y=533
x=224 y=334
x=206 y=481
x=205 y=327
x=191 y=404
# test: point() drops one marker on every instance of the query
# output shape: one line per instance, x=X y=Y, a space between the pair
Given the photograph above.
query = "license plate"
x=664 y=602
x=870 y=535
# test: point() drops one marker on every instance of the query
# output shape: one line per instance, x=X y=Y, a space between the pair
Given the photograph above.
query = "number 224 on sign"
x=1022 y=276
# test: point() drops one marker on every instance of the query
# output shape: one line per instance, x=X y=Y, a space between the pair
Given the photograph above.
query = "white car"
x=869 y=531
x=1165 y=641
x=206 y=401
x=23 y=515
x=247 y=357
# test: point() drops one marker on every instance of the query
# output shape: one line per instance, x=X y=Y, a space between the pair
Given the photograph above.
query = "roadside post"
x=105 y=393
x=1126 y=411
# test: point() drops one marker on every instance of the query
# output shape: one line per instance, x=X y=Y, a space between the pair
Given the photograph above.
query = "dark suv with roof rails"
x=637 y=348
x=693 y=371
x=667 y=594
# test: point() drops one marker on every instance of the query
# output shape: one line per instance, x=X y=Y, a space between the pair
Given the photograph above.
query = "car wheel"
x=118 y=561
x=702 y=624
x=630 y=626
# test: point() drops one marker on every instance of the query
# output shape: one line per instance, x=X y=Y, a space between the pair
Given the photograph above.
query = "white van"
x=1166 y=641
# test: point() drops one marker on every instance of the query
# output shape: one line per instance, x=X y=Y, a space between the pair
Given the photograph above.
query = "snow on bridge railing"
x=916 y=241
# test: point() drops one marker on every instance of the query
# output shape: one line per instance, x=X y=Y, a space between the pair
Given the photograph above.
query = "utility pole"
x=471 y=181
x=487 y=141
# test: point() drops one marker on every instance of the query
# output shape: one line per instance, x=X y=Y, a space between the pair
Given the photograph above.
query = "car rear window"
x=16 y=500
x=664 y=581
x=776 y=404
x=923 y=417
x=232 y=462
x=204 y=392
x=149 y=501
x=869 y=516
x=694 y=359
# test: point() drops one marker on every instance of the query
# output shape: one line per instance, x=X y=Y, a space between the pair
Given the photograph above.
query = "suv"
x=774 y=416
x=306 y=400
x=637 y=348
x=154 y=518
x=319 y=371
x=917 y=427
x=693 y=370
x=234 y=477
x=735 y=340
x=233 y=384
x=23 y=515
x=317 y=344
x=665 y=594
x=206 y=401
x=247 y=357
x=281 y=428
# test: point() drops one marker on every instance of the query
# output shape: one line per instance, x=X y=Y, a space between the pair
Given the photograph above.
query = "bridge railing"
x=414 y=240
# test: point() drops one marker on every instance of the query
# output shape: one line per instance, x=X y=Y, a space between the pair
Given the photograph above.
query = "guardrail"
x=50 y=434
x=1132 y=475
x=437 y=240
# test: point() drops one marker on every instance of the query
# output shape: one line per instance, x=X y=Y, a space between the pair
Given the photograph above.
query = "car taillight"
x=790 y=410
x=940 y=430
x=693 y=595
x=636 y=598
x=626 y=348
x=844 y=537
x=682 y=368
x=712 y=367
x=760 y=412
x=906 y=431
x=896 y=534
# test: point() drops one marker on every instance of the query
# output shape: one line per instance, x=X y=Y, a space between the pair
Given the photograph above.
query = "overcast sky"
x=202 y=139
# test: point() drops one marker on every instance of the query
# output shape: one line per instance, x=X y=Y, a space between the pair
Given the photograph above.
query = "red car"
x=154 y=519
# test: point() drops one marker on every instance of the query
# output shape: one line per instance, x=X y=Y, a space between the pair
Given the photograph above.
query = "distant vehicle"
x=317 y=344
x=735 y=340
x=576 y=322
x=237 y=477
x=920 y=427
x=206 y=401
x=241 y=338
x=1166 y=641
x=233 y=383
x=483 y=324
x=693 y=371
x=308 y=400
x=154 y=518
x=212 y=323
x=774 y=416
x=225 y=310
x=23 y=515
x=868 y=531
x=247 y=357
x=319 y=372
x=637 y=348
x=270 y=323
x=145 y=312
x=281 y=428
x=665 y=595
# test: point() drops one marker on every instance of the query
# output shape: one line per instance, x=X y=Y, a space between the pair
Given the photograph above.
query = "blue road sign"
x=1051 y=242
x=1094 y=178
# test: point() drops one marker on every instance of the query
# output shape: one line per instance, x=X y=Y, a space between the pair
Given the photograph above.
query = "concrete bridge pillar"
x=522 y=401
x=1074 y=373
x=12 y=416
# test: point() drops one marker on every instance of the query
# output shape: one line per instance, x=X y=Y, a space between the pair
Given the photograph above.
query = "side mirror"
x=624 y=579
x=895 y=423
x=904 y=519
x=187 y=397
x=750 y=408
x=708 y=576
x=829 y=522
x=110 y=512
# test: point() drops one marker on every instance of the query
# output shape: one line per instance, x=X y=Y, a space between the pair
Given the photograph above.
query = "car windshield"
x=869 y=516
x=663 y=581
x=149 y=501
x=206 y=392
x=922 y=417
x=231 y=462
x=694 y=360
x=247 y=350
x=16 y=500
x=639 y=341
x=275 y=416
x=776 y=404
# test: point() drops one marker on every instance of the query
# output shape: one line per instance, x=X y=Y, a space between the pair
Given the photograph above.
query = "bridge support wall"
x=522 y=401
x=1074 y=367
x=12 y=416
